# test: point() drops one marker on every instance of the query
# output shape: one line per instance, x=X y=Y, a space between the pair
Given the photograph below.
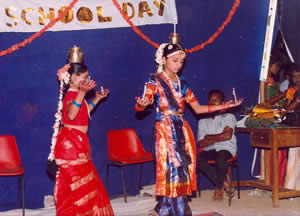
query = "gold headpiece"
x=174 y=38
x=75 y=55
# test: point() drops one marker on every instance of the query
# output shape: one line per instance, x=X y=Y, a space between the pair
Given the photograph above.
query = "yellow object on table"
x=265 y=111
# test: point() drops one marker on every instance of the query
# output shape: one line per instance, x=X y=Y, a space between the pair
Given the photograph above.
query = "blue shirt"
x=209 y=126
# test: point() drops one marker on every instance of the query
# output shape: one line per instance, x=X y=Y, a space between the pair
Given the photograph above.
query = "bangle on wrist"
x=138 y=108
x=76 y=104
x=93 y=105
x=224 y=107
x=209 y=108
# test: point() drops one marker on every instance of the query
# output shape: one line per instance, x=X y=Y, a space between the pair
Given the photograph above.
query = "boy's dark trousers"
x=216 y=173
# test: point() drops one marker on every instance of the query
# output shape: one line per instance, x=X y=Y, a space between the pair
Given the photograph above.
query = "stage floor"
x=252 y=203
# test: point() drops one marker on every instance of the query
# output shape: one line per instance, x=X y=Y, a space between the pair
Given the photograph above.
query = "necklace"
x=174 y=85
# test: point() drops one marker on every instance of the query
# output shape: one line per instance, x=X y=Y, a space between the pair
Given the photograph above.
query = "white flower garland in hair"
x=64 y=78
x=159 y=57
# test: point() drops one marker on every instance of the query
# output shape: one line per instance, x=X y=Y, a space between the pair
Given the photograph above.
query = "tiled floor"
x=250 y=204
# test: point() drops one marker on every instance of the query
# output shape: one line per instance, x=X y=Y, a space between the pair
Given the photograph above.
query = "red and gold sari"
x=78 y=188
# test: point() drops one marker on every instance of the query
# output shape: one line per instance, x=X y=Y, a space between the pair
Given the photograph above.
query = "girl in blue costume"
x=175 y=147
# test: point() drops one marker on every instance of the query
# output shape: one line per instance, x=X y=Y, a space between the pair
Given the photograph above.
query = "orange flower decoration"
x=291 y=92
x=62 y=73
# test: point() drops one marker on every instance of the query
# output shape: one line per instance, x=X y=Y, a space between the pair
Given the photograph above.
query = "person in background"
x=291 y=95
x=217 y=142
x=272 y=82
x=288 y=77
x=272 y=90
x=293 y=92
x=291 y=98
x=292 y=178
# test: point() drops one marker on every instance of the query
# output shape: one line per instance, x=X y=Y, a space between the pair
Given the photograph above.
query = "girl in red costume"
x=78 y=188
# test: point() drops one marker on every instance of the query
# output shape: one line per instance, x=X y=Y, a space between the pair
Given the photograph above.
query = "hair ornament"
x=63 y=75
x=159 y=57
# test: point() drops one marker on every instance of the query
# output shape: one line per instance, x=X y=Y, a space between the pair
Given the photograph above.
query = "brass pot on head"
x=174 y=38
x=75 y=55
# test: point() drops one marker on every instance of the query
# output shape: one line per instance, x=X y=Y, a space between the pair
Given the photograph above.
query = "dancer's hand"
x=102 y=94
x=232 y=103
x=142 y=103
x=87 y=85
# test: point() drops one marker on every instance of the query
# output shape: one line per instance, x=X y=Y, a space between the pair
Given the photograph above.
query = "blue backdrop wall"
x=120 y=60
x=289 y=25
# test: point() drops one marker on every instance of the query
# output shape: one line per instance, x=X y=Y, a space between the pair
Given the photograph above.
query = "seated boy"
x=217 y=141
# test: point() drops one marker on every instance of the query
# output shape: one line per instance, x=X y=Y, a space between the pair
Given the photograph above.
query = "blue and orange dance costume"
x=175 y=147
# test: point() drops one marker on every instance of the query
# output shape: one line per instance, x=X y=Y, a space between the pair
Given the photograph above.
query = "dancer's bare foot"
x=218 y=195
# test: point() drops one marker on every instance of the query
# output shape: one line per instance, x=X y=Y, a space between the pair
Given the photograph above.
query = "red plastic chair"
x=10 y=162
x=125 y=148
x=233 y=163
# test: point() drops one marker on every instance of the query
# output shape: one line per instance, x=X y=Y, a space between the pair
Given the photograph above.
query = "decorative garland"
x=195 y=48
x=38 y=34
x=17 y=46
x=64 y=78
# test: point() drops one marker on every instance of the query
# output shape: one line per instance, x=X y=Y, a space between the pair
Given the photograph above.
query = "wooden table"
x=271 y=139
